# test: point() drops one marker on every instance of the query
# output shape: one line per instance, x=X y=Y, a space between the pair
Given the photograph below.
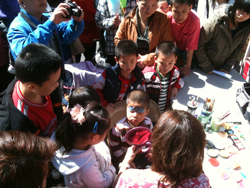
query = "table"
x=223 y=91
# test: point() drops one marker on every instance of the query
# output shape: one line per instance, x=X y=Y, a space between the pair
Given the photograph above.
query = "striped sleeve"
x=115 y=141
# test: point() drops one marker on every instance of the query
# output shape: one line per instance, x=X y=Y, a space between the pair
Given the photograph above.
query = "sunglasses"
x=136 y=109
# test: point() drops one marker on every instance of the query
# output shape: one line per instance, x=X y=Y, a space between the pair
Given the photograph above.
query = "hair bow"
x=77 y=114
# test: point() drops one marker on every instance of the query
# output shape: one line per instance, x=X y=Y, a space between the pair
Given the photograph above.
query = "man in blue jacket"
x=33 y=26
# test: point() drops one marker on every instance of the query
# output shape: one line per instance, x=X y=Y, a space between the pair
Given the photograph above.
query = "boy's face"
x=48 y=86
x=127 y=64
x=136 y=113
x=165 y=63
x=163 y=6
x=180 y=12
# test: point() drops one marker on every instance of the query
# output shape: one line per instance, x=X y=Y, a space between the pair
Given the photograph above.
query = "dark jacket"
x=13 y=119
x=217 y=49
x=113 y=83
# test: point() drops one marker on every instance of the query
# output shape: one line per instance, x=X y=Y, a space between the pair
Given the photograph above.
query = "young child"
x=163 y=79
x=76 y=157
x=163 y=6
x=26 y=104
x=185 y=26
x=137 y=109
x=115 y=82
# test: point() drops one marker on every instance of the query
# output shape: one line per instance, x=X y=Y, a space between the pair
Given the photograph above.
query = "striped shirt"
x=164 y=90
x=118 y=144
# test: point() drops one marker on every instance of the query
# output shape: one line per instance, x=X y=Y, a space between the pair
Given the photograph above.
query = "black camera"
x=73 y=10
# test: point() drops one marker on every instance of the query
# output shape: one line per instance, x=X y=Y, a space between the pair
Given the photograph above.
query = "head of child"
x=24 y=155
x=239 y=13
x=38 y=68
x=137 y=106
x=178 y=141
x=83 y=95
x=180 y=10
x=165 y=57
x=126 y=55
x=80 y=127
x=163 y=6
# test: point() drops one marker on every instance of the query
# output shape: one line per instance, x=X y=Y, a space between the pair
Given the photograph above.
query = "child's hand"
x=185 y=71
x=140 y=61
x=130 y=155
x=149 y=156
x=173 y=92
x=110 y=108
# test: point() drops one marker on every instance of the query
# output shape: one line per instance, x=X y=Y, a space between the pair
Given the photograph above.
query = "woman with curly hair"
x=177 y=155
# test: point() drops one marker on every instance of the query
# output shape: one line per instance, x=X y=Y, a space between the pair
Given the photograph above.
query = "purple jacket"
x=9 y=9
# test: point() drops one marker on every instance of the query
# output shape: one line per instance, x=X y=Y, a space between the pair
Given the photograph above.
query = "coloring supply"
x=224 y=154
x=215 y=124
x=213 y=153
x=214 y=162
x=236 y=141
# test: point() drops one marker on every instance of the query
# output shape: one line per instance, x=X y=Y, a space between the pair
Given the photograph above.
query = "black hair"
x=125 y=48
x=180 y=2
x=138 y=96
x=167 y=48
x=241 y=5
x=67 y=131
x=83 y=95
x=35 y=63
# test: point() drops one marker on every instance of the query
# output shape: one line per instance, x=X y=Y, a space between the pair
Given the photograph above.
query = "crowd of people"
x=149 y=45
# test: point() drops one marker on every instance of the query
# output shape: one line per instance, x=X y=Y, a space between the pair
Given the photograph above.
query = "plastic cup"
x=215 y=124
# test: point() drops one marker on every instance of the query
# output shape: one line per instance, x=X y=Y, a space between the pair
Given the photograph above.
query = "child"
x=76 y=157
x=117 y=81
x=163 y=79
x=26 y=104
x=163 y=6
x=185 y=26
x=24 y=155
x=137 y=108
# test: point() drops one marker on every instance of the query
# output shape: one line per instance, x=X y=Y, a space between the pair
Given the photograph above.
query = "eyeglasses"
x=136 y=109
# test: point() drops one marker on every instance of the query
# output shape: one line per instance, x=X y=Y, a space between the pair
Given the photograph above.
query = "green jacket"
x=217 y=49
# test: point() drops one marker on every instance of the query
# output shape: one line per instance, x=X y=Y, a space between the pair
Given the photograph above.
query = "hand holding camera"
x=65 y=11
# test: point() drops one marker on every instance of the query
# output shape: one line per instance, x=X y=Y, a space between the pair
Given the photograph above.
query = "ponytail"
x=80 y=122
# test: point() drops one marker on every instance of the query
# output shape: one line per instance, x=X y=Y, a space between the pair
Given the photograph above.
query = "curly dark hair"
x=178 y=146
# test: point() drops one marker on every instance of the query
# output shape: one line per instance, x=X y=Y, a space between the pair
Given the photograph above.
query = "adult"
x=33 y=26
x=223 y=36
x=177 y=154
x=147 y=27
x=24 y=160
x=108 y=17
x=206 y=8
x=91 y=31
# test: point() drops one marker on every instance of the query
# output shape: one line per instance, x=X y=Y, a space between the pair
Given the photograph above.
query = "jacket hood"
x=71 y=162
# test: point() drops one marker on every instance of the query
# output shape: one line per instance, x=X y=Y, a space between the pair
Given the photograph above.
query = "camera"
x=73 y=10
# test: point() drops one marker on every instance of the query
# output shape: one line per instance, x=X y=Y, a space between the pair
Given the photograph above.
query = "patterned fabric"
x=135 y=178
x=164 y=90
x=41 y=115
x=118 y=145
x=104 y=19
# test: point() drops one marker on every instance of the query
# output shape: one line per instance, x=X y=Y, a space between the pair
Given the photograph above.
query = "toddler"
x=163 y=6
x=137 y=109
x=163 y=79
x=77 y=158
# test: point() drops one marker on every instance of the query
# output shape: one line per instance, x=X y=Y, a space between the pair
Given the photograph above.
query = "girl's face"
x=147 y=7
x=241 y=16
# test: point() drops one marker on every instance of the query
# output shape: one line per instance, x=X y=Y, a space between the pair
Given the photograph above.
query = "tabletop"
x=223 y=90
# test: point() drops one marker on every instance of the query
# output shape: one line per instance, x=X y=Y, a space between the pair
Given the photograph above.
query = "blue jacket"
x=21 y=34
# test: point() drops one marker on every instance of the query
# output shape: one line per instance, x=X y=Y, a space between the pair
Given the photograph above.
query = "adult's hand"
x=78 y=19
x=59 y=13
x=116 y=20
x=185 y=70
x=110 y=108
x=223 y=70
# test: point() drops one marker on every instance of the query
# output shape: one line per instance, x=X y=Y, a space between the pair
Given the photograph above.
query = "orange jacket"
x=159 y=30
